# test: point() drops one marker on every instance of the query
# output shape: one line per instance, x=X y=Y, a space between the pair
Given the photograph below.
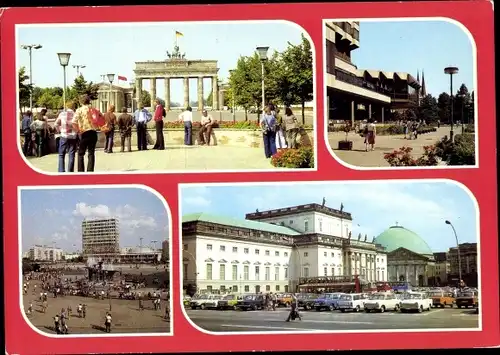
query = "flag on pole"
x=179 y=34
x=122 y=78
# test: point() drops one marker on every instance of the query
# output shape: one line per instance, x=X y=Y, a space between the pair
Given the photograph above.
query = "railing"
x=343 y=57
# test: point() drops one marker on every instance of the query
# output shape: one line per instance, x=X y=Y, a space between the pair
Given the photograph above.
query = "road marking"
x=267 y=327
x=430 y=312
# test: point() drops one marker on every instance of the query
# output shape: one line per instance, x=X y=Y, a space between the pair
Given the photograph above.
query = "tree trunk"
x=246 y=114
x=303 y=112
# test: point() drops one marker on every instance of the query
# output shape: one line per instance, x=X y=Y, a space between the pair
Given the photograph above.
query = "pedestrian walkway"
x=174 y=158
x=384 y=144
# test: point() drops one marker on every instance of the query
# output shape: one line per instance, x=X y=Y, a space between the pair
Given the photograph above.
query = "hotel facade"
x=272 y=251
x=357 y=94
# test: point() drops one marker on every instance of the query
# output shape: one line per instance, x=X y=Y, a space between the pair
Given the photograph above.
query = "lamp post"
x=458 y=251
x=64 y=61
x=111 y=78
x=232 y=97
x=29 y=48
x=78 y=67
x=263 y=57
x=451 y=71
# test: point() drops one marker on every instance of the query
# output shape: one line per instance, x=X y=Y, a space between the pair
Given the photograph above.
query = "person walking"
x=109 y=129
x=68 y=137
x=26 y=131
x=142 y=117
x=125 y=123
x=84 y=123
x=159 y=114
x=39 y=127
x=268 y=126
x=294 y=311
x=290 y=124
x=371 y=132
x=107 y=322
x=187 y=118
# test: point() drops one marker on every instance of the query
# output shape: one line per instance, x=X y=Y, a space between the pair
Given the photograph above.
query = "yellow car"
x=228 y=302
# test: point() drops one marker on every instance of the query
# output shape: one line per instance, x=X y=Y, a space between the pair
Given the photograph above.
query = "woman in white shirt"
x=371 y=132
x=187 y=118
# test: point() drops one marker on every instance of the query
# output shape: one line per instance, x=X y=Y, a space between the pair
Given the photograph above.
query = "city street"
x=269 y=321
x=126 y=315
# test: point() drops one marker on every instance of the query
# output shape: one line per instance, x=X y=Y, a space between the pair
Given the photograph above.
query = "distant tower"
x=424 y=91
x=419 y=96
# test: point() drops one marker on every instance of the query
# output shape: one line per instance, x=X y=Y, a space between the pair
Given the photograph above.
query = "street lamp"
x=78 y=67
x=64 y=61
x=458 y=251
x=111 y=78
x=232 y=94
x=263 y=57
x=451 y=71
x=29 y=48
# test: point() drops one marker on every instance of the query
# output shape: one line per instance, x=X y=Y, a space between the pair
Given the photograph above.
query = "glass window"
x=209 y=271
x=209 y=289
x=267 y=273
x=235 y=249
x=245 y=272
x=246 y=250
x=267 y=252
x=235 y=288
x=286 y=273
x=306 y=226
x=235 y=272
x=325 y=254
x=320 y=225
x=325 y=270
x=247 y=288
x=277 y=287
x=222 y=271
x=257 y=251
x=333 y=271
x=285 y=254
x=276 y=253
x=209 y=246
x=306 y=254
x=306 y=272
x=268 y=288
x=257 y=272
x=222 y=248
x=185 y=247
x=286 y=288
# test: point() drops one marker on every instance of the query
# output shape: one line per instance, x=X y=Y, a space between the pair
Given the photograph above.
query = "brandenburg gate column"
x=215 y=94
x=153 y=92
x=138 y=91
x=200 y=93
x=167 y=93
x=186 y=92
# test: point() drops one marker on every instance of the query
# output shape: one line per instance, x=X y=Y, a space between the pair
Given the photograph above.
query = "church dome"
x=399 y=237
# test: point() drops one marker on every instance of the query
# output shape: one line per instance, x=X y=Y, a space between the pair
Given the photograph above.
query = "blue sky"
x=55 y=215
x=408 y=46
x=128 y=44
x=420 y=207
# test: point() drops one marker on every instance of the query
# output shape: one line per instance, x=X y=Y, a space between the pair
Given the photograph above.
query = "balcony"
x=343 y=57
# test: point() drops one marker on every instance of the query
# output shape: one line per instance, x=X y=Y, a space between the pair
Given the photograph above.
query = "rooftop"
x=241 y=223
x=311 y=207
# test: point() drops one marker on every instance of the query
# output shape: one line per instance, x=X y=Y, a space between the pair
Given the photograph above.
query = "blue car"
x=328 y=301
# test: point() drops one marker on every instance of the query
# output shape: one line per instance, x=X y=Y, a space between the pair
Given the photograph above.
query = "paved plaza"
x=384 y=144
x=174 y=157
x=270 y=321
x=126 y=315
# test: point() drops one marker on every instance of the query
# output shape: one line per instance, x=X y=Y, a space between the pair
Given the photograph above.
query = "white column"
x=200 y=93
x=383 y=113
x=152 y=91
x=352 y=112
x=369 y=110
x=167 y=93
x=215 y=94
x=138 y=91
x=186 y=92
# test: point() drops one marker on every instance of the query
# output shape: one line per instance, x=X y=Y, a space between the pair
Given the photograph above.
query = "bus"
x=400 y=286
x=331 y=284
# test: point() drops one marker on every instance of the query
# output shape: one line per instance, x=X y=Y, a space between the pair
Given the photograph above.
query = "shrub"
x=461 y=152
x=217 y=124
x=294 y=158
x=403 y=157
x=470 y=128
x=389 y=130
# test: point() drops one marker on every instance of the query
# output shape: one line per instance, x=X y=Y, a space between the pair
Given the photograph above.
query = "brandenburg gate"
x=176 y=66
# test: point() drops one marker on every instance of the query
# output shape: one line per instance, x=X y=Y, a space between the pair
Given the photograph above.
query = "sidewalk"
x=173 y=158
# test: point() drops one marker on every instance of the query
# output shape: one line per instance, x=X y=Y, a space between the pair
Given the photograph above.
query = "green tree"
x=82 y=87
x=294 y=76
x=145 y=99
x=24 y=88
x=428 y=109
x=461 y=102
x=443 y=103
x=50 y=98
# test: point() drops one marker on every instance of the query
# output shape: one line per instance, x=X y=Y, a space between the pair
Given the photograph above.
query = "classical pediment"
x=222 y=261
x=267 y=263
x=405 y=254
x=325 y=264
x=235 y=262
x=306 y=264
x=257 y=263
x=246 y=262
x=285 y=264
x=209 y=260
x=332 y=264
x=277 y=264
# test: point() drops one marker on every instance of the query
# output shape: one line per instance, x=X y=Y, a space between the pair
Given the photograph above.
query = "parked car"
x=467 y=298
x=382 y=302
x=351 y=302
x=284 y=299
x=327 y=301
x=251 y=302
x=228 y=302
x=205 y=301
x=307 y=300
x=186 y=301
x=441 y=298
x=416 y=301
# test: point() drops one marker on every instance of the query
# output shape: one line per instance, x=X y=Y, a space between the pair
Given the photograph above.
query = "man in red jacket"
x=158 y=118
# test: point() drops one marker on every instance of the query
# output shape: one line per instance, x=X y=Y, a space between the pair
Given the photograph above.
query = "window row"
x=235 y=275
x=246 y=288
x=222 y=248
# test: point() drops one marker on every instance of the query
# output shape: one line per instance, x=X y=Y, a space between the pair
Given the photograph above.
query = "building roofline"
x=310 y=207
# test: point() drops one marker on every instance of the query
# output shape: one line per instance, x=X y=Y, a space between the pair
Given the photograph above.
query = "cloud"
x=129 y=216
x=199 y=196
